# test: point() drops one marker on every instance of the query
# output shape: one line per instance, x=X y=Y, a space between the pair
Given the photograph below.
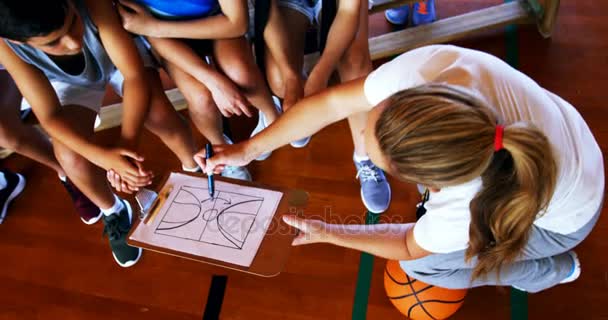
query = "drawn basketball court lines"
x=226 y=220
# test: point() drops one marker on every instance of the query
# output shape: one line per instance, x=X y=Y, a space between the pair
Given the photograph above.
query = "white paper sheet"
x=230 y=227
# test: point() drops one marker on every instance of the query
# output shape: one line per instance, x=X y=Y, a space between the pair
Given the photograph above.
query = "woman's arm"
x=305 y=118
x=231 y=23
x=389 y=241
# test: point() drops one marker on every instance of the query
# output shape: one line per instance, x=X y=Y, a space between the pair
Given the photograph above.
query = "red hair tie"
x=498 y=138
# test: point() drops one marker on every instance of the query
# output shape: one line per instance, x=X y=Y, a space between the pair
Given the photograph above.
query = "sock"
x=63 y=178
x=358 y=158
x=116 y=207
x=195 y=169
x=2 y=181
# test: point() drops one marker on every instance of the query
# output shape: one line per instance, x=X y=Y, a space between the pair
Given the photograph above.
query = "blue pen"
x=210 y=181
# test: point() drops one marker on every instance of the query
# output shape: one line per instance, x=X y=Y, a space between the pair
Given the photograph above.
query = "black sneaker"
x=14 y=185
x=117 y=226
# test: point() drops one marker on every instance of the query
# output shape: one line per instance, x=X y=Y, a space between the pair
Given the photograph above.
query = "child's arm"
x=389 y=241
x=232 y=23
x=229 y=99
x=341 y=35
x=123 y=53
x=306 y=117
x=37 y=90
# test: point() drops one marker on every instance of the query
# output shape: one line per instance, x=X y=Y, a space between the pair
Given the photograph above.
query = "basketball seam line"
x=416 y=296
x=409 y=311
x=410 y=294
x=395 y=281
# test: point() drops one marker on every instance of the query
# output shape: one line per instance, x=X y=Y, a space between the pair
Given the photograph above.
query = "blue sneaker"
x=398 y=16
x=423 y=12
x=375 y=190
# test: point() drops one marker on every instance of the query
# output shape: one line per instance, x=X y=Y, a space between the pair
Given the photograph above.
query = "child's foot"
x=234 y=172
x=398 y=16
x=88 y=211
x=423 y=12
x=576 y=268
x=375 y=190
x=117 y=226
x=298 y=143
x=14 y=186
x=262 y=124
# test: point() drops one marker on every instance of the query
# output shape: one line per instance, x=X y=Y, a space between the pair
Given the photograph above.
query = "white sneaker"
x=240 y=173
x=234 y=172
x=258 y=128
x=576 y=268
x=574 y=273
x=298 y=143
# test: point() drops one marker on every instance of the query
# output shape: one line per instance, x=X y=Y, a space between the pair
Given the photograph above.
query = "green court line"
x=364 y=277
x=519 y=299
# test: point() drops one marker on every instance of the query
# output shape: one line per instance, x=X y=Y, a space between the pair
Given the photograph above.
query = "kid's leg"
x=14 y=135
x=356 y=63
x=117 y=213
x=167 y=124
x=285 y=52
x=235 y=59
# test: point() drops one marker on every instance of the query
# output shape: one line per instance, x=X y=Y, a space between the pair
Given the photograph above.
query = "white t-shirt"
x=580 y=184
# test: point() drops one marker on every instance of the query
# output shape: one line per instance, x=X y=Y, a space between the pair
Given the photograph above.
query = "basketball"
x=418 y=300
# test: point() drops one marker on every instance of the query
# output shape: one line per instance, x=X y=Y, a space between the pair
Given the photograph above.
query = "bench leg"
x=547 y=23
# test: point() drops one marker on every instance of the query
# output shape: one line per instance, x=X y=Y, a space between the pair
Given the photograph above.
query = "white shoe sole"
x=18 y=189
x=300 y=143
x=92 y=220
x=130 y=262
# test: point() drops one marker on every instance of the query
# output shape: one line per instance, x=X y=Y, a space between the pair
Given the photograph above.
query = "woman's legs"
x=543 y=264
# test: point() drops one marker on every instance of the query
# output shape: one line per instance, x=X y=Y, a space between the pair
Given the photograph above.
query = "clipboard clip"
x=145 y=200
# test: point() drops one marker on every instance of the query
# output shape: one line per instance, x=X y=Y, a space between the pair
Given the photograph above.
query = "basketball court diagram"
x=225 y=220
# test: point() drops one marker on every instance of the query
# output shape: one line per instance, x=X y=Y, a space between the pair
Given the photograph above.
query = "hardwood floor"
x=52 y=266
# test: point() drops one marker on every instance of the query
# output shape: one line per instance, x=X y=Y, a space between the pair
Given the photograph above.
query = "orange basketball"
x=418 y=300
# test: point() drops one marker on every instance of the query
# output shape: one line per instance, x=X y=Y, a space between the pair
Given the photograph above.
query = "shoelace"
x=113 y=228
x=368 y=173
x=422 y=9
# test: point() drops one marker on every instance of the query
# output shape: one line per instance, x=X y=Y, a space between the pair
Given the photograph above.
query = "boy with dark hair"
x=62 y=54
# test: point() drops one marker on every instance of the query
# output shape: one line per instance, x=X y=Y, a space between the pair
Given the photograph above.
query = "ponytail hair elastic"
x=498 y=138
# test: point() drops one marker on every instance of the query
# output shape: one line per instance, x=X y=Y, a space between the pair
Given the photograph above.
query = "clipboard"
x=274 y=249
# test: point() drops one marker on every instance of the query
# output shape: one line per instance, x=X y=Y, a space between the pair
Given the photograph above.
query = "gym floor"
x=55 y=267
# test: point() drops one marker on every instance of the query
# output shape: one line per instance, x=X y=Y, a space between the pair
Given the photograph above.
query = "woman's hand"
x=311 y=231
x=136 y=18
x=224 y=155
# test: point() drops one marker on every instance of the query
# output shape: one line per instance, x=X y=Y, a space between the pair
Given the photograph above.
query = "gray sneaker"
x=375 y=190
x=117 y=226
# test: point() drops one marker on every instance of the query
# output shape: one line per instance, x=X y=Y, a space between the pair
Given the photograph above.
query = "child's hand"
x=316 y=82
x=294 y=91
x=135 y=18
x=126 y=163
x=311 y=231
x=229 y=99
x=122 y=185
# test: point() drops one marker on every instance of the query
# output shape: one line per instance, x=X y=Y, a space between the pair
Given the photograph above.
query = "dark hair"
x=24 y=19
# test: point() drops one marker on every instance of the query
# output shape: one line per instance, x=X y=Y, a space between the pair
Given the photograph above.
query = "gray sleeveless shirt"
x=98 y=67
